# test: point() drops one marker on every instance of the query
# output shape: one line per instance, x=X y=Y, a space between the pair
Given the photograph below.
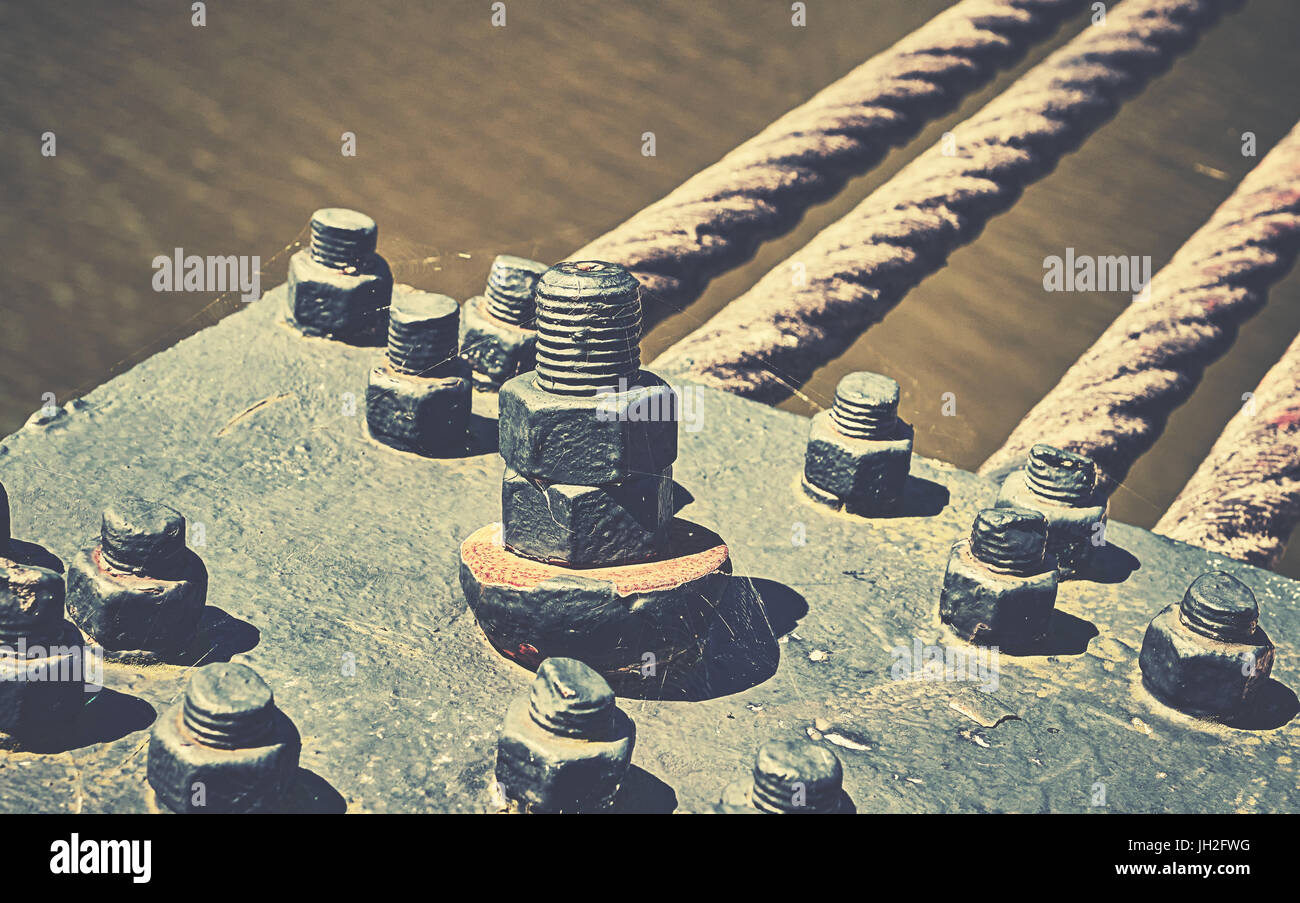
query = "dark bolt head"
x=510 y=286
x=342 y=238
x=423 y=331
x=1010 y=539
x=866 y=406
x=1059 y=475
x=796 y=776
x=31 y=602
x=572 y=700
x=4 y=519
x=141 y=537
x=588 y=328
x=1219 y=606
x=227 y=706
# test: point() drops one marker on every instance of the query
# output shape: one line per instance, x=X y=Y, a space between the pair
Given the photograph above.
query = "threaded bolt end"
x=31 y=603
x=866 y=406
x=510 y=286
x=228 y=706
x=5 y=530
x=1013 y=540
x=423 y=332
x=792 y=777
x=342 y=239
x=588 y=328
x=1060 y=476
x=1219 y=606
x=570 y=699
x=141 y=537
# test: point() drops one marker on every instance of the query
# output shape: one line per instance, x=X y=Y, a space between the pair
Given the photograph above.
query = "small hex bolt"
x=36 y=640
x=419 y=401
x=1060 y=476
x=790 y=777
x=498 y=329
x=5 y=529
x=140 y=593
x=859 y=453
x=1011 y=540
x=1000 y=587
x=342 y=239
x=1061 y=485
x=565 y=746
x=511 y=284
x=1207 y=656
x=866 y=406
x=588 y=328
x=338 y=287
x=141 y=537
x=225 y=747
x=422 y=334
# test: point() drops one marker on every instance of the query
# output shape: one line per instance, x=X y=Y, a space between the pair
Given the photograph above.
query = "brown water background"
x=474 y=140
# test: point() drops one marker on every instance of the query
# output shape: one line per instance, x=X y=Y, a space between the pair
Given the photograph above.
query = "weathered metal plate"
x=325 y=549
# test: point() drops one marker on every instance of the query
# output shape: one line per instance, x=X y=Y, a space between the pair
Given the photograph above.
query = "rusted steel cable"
x=1112 y=403
x=1244 y=499
x=812 y=306
x=715 y=220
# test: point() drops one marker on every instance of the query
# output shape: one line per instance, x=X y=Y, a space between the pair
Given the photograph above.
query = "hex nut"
x=988 y=607
x=610 y=617
x=588 y=439
x=427 y=416
x=349 y=306
x=1200 y=675
x=1071 y=529
x=584 y=526
x=129 y=615
x=192 y=774
x=496 y=350
x=866 y=476
x=580 y=770
x=42 y=662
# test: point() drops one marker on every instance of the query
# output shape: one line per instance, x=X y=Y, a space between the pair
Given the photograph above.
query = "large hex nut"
x=616 y=523
x=497 y=350
x=43 y=690
x=191 y=777
x=1072 y=531
x=989 y=607
x=126 y=613
x=867 y=476
x=561 y=774
x=348 y=306
x=610 y=618
x=588 y=439
x=1199 y=675
x=427 y=416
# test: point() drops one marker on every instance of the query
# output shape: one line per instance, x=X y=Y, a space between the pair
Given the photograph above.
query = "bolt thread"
x=342 y=239
x=511 y=284
x=227 y=706
x=588 y=328
x=31 y=603
x=5 y=533
x=423 y=333
x=1060 y=476
x=141 y=537
x=1221 y=607
x=795 y=777
x=1013 y=540
x=866 y=406
x=570 y=699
